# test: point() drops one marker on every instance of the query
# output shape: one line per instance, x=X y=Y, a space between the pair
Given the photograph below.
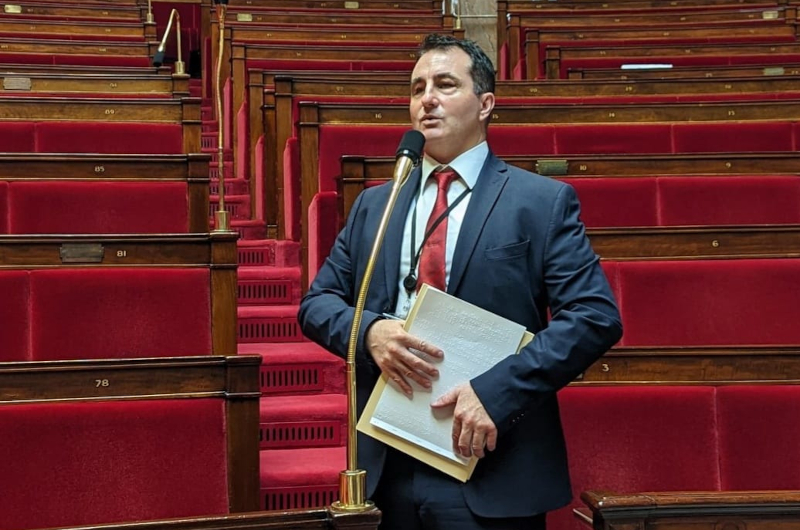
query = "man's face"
x=444 y=106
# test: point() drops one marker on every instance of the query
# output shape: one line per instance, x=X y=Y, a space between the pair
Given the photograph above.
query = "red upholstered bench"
x=690 y=200
x=650 y=438
x=707 y=302
x=84 y=313
x=92 y=207
x=94 y=442
x=122 y=296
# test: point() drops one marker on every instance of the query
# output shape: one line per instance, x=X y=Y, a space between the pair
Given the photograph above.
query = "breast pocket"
x=505 y=252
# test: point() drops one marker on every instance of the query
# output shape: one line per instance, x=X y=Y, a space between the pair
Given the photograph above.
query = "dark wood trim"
x=555 y=53
x=319 y=519
x=42 y=82
x=711 y=510
x=695 y=366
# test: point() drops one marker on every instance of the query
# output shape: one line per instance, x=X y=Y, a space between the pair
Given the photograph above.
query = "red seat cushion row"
x=681 y=201
x=14 y=317
x=634 y=439
x=101 y=462
x=709 y=302
x=3 y=207
x=90 y=313
x=758 y=433
x=67 y=207
x=111 y=138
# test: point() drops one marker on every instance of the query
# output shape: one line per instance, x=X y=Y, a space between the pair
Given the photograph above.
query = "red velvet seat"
x=105 y=313
x=108 y=137
x=617 y=202
x=640 y=438
x=3 y=207
x=90 y=207
x=103 y=462
x=758 y=433
x=14 y=317
x=729 y=200
x=709 y=302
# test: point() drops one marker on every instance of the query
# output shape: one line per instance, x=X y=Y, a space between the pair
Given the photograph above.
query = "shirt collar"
x=468 y=165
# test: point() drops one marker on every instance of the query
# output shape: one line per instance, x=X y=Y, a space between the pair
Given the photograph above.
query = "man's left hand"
x=474 y=432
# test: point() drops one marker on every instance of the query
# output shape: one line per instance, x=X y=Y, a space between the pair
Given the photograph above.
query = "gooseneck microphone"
x=407 y=156
x=352 y=481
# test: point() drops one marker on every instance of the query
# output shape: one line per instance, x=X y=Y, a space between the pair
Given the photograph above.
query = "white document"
x=473 y=340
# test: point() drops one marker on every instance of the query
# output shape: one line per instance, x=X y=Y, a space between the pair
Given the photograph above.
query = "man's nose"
x=429 y=99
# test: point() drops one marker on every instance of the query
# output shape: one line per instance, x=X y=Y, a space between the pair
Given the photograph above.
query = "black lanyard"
x=410 y=281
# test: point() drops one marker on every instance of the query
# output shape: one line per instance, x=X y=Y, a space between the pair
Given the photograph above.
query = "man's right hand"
x=389 y=345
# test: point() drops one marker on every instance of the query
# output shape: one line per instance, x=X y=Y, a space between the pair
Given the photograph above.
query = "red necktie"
x=432 y=261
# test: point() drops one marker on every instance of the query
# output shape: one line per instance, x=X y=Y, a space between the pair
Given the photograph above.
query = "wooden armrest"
x=687 y=509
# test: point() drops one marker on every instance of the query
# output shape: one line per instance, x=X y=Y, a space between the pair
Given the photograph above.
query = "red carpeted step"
x=238 y=206
x=206 y=111
x=269 y=252
x=208 y=126
x=232 y=186
x=301 y=478
x=276 y=323
x=213 y=170
x=292 y=422
x=213 y=150
x=297 y=368
x=268 y=285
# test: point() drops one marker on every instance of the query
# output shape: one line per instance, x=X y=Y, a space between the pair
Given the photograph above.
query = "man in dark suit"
x=512 y=244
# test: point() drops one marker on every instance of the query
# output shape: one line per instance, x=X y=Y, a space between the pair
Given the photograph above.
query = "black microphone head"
x=158 y=58
x=411 y=145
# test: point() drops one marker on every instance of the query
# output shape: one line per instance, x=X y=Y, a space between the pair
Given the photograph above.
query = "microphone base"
x=222 y=221
x=352 y=492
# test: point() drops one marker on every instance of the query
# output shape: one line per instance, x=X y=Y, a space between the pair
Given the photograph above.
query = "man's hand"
x=473 y=428
x=389 y=344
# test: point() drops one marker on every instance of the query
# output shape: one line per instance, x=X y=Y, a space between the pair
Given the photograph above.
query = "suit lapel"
x=394 y=233
x=484 y=197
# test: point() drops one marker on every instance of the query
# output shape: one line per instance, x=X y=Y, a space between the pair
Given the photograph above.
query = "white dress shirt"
x=468 y=166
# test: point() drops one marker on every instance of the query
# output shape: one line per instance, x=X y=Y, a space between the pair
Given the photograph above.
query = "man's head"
x=452 y=96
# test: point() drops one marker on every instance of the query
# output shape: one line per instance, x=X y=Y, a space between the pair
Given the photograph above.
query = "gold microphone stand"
x=149 y=19
x=353 y=481
x=158 y=60
x=222 y=221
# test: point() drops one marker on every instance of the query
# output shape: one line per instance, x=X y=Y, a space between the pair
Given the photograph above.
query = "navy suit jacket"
x=522 y=250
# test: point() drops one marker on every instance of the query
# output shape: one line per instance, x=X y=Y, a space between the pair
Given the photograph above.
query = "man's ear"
x=487 y=105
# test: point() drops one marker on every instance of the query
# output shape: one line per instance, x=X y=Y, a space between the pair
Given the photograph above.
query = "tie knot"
x=445 y=177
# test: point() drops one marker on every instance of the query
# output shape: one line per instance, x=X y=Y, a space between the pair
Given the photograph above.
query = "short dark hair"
x=482 y=70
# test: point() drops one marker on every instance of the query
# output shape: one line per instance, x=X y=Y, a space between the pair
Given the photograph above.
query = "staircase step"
x=292 y=422
x=268 y=285
x=297 y=368
x=301 y=478
x=232 y=186
x=267 y=324
x=269 y=252
x=209 y=126
x=206 y=112
x=238 y=206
